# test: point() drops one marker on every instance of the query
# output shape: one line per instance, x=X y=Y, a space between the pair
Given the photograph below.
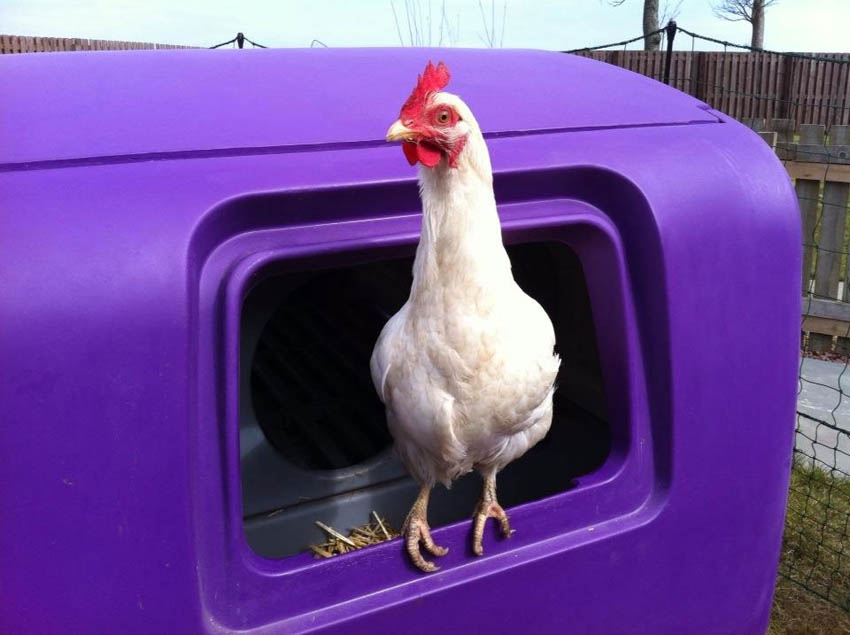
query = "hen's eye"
x=443 y=116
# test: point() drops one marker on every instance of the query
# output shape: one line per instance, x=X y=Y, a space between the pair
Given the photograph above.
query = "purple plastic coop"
x=197 y=251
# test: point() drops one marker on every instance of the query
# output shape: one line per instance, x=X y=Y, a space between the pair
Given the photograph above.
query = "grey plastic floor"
x=576 y=445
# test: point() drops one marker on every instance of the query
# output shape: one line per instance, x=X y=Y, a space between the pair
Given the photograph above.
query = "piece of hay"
x=335 y=534
x=376 y=531
x=381 y=525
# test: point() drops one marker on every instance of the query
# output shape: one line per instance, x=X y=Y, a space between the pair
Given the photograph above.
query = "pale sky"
x=791 y=25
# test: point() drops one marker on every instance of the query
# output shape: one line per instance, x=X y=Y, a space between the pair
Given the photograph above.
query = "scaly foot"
x=416 y=530
x=485 y=510
x=488 y=507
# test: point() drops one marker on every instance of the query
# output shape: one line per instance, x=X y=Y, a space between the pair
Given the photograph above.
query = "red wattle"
x=429 y=155
x=426 y=152
x=410 y=152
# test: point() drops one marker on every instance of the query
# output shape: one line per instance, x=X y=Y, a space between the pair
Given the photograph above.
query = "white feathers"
x=466 y=368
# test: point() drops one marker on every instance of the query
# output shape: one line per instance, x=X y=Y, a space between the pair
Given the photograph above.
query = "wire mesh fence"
x=800 y=104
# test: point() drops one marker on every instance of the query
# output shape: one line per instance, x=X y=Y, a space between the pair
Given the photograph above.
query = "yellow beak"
x=399 y=132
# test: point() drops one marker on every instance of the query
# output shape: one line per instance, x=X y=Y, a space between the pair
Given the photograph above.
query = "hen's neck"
x=461 y=239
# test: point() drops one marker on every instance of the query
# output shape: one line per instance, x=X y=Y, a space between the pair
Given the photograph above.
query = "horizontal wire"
x=623 y=43
x=814 y=58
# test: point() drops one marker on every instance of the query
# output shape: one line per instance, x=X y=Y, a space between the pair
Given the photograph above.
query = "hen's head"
x=432 y=124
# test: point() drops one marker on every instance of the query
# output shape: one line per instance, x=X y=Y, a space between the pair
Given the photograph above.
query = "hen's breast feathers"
x=458 y=384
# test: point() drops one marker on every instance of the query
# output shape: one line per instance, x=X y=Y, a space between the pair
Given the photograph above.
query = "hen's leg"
x=416 y=529
x=488 y=507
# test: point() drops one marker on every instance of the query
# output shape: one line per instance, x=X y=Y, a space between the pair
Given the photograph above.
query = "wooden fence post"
x=832 y=224
x=835 y=198
x=770 y=139
x=807 y=196
x=784 y=129
x=756 y=124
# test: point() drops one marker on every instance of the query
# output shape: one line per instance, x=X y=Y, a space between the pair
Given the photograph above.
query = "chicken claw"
x=416 y=530
x=488 y=507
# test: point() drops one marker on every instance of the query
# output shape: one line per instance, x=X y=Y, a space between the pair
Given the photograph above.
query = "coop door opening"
x=314 y=444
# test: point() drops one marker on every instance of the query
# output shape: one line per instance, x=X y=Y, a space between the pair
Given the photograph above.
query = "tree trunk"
x=650 y=24
x=758 y=24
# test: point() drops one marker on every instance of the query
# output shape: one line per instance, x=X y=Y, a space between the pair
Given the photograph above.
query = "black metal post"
x=240 y=39
x=671 y=33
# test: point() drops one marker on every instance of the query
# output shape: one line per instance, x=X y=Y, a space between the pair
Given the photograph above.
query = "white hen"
x=466 y=368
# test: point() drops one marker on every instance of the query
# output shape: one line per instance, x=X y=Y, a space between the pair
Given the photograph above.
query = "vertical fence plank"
x=795 y=88
x=827 y=94
x=828 y=242
x=763 y=86
x=835 y=199
x=831 y=239
x=807 y=196
x=801 y=102
x=843 y=102
x=743 y=83
x=837 y=194
x=809 y=94
x=772 y=82
x=836 y=98
x=817 y=94
x=772 y=85
x=784 y=129
x=784 y=89
x=697 y=70
x=737 y=92
x=717 y=82
x=701 y=76
x=806 y=93
x=732 y=85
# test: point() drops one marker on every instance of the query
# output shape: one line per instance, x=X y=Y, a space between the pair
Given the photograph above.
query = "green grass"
x=815 y=563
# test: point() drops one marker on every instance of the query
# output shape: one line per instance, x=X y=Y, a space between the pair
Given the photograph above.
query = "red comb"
x=433 y=80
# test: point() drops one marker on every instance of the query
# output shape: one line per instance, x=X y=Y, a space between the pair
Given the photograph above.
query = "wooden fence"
x=26 y=44
x=755 y=85
x=819 y=164
x=802 y=108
